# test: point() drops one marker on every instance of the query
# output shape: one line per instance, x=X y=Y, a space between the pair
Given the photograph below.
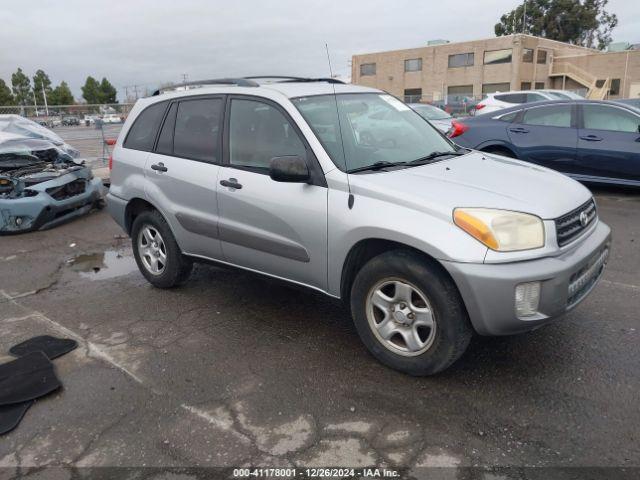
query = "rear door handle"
x=519 y=130
x=159 y=167
x=591 y=138
x=231 y=183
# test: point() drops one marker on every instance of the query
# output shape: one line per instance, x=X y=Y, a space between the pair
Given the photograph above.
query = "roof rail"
x=288 y=79
x=240 y=82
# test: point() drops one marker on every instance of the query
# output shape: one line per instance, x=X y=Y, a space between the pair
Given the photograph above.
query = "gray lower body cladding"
x=49 y=206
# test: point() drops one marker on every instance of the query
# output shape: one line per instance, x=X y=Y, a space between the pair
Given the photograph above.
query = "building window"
x=461 y=60
x=413 y=65
x=459 y=93
x=412 y=95
x=494 y=57
x=495 y=87
x=615 y=87
x=525 y=86
x=527 y=55
x=367 y=69
x=539 y=86
x=542 y=56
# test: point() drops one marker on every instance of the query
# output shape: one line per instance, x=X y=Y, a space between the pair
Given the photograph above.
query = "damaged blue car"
x=41 y=182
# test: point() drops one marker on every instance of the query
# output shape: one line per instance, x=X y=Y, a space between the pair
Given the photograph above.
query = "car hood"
x=475 y=180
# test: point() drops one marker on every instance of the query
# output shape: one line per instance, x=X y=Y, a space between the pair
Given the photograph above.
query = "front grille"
x=68 y=190
x=583 y=280
x=570 y=226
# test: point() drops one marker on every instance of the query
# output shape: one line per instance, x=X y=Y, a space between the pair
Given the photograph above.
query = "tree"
x=579 y=22
x=95 y=92
x=41 y=80
x=21 y=88
x=61 y=95
x=91 y=91
x=6 y=97
x=108 y=92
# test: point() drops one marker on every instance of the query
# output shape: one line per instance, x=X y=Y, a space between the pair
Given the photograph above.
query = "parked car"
x=634 y=102
x=111 y=118
x=434 y=115
x=457 y=105
x=591 y=141
x=70 y=120
x=500 y=100
x=425 y=242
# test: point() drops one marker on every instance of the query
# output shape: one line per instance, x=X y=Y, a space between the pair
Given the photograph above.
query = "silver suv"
x=306 y=181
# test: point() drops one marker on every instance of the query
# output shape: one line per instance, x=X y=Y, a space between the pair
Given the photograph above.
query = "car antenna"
x=351 y=198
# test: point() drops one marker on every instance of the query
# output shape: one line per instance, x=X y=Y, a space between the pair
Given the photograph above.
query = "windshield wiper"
x=376 y=166
x=435 y=155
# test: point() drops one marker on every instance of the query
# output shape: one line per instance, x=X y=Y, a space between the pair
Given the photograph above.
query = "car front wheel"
x=409 y=313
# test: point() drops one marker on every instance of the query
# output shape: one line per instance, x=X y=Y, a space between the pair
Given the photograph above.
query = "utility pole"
x=44 y=96
x=35 y=103
x=184 y=78
x=524 y=17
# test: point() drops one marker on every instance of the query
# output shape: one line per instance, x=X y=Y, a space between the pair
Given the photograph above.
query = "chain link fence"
x=87 y=128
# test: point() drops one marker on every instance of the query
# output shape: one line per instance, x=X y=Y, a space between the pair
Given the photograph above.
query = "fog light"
x=18 y=221
x=527 y=299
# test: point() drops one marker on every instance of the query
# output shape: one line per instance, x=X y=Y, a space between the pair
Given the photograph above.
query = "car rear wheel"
x=409 y=313
x=157 y=253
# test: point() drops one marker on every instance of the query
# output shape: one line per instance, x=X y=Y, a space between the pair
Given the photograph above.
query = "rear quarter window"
x=144 y=129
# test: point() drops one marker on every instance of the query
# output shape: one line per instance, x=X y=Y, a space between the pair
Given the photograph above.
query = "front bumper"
x=41 y=211
x=488 y=290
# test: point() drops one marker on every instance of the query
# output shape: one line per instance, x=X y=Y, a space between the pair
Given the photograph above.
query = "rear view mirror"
x=290 y=168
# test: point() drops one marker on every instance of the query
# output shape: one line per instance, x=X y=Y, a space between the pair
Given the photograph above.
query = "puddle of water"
x=103 y=265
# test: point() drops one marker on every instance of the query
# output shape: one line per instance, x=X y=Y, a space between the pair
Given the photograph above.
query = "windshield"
x=431 y=113
x=558 y=95
x=362 y=129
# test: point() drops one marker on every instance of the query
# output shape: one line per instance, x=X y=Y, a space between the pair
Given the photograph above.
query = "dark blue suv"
x=590 y=141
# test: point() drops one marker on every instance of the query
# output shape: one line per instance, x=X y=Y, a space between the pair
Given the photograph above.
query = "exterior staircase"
x=560 y=68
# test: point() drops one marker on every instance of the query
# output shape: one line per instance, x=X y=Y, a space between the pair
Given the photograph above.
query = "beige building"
x=514 y=62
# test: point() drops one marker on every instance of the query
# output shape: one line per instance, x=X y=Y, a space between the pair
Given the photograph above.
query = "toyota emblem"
x=584 y=219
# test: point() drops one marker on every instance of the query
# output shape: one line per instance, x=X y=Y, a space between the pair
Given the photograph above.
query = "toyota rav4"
x=347 y=190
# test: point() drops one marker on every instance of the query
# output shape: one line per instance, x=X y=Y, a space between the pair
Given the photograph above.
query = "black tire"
x=177 y=268
x=453 y=330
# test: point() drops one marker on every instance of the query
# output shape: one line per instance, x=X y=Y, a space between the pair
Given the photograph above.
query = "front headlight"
x=501 y=230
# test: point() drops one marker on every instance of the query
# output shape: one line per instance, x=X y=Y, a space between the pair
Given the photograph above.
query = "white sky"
x=146 y=42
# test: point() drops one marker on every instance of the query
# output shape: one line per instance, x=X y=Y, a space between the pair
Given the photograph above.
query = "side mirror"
x=290 y=168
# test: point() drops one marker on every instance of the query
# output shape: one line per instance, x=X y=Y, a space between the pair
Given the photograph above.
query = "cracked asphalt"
x=234 y=369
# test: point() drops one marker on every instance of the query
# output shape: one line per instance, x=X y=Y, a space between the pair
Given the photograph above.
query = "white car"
x=111 y=118
x=434 y=115
x=499 y=100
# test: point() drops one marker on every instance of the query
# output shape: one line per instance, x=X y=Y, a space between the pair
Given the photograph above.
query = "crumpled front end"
x=51 y=202
x=42 y=185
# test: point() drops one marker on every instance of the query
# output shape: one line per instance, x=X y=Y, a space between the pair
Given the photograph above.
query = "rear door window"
x=552 y=116
x=144 y=129
x=165 y=141
x=197 y=129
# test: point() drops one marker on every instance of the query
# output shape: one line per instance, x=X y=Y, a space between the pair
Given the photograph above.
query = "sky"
x=148 y=42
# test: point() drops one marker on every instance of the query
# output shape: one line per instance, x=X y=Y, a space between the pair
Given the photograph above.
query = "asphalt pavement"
x=234 y=369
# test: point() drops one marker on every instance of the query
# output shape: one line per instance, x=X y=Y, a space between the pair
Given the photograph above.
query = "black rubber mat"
x=27 y=378
x=52 y=347
x=11 y=415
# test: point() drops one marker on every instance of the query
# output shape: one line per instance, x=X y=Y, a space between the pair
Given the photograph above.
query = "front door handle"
x=231 y=183
x=591 y=138
x=159 y=167
x=519 y=130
